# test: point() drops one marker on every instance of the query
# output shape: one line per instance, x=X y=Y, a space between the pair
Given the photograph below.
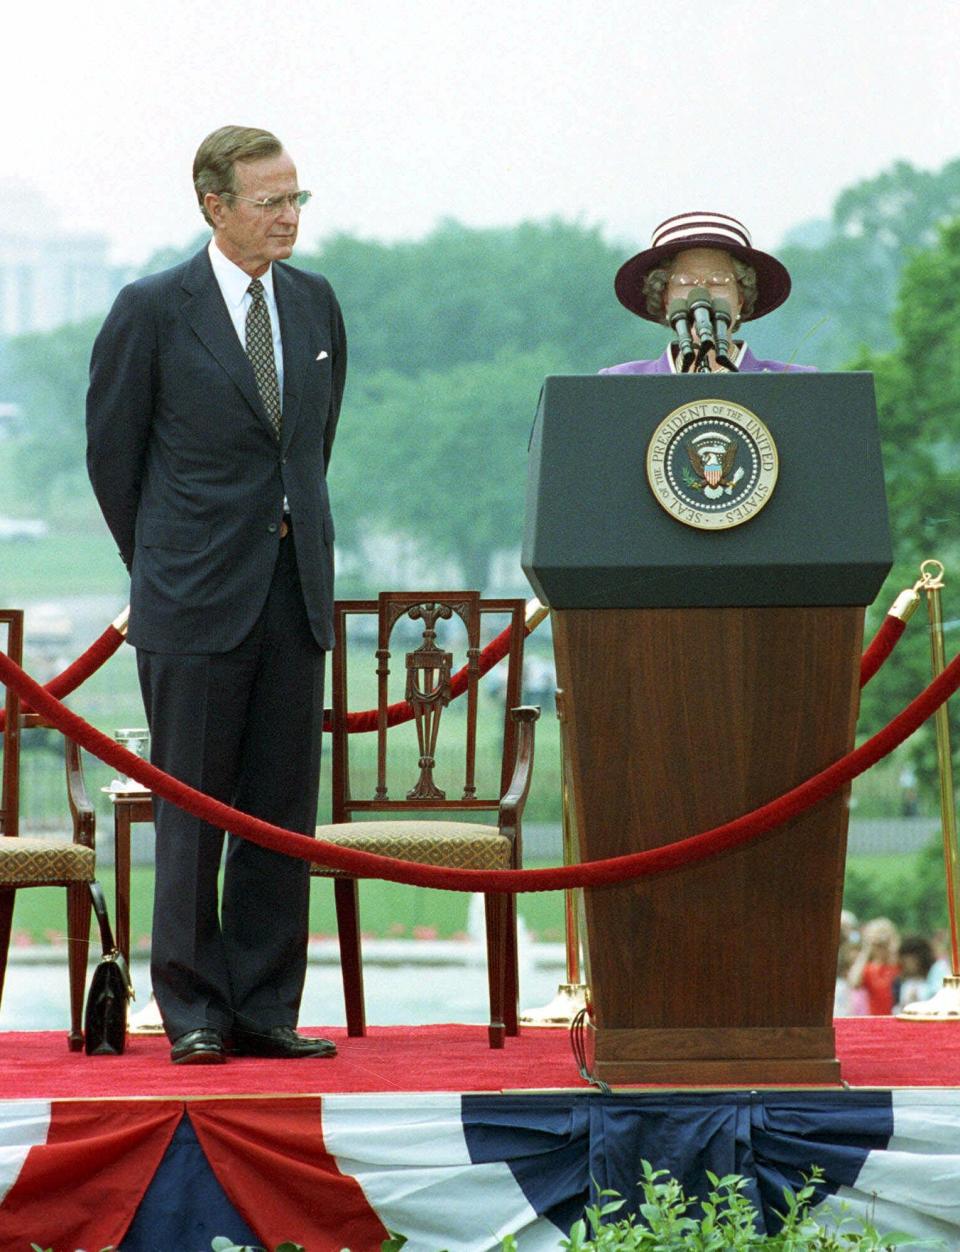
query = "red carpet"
x=874 y=1052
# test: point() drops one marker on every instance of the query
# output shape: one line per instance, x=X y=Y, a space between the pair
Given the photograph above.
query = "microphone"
x=701 y=306
x=677 y=317
x=723 y=316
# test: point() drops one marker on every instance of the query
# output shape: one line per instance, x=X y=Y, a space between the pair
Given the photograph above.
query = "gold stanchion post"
x=571 y=995
x=945 y=1005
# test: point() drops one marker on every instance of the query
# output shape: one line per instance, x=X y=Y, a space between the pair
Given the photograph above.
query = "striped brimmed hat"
x=701 y=230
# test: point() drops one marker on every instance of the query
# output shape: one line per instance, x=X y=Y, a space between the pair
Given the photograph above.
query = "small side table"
x=128 y=807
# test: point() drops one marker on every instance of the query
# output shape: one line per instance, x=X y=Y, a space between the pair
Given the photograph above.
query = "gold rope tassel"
x=945 y=1005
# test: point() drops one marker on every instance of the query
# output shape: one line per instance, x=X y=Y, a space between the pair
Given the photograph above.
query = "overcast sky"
x=615 y=112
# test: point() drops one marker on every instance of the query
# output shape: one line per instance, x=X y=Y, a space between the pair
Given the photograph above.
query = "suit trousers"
x=244 y=727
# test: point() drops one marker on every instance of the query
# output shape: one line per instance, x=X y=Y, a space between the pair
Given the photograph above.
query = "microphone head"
x=700 y=298
x=676 y=309
x=722 y=309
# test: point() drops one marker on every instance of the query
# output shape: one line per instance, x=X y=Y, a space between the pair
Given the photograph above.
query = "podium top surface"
x=598 y=536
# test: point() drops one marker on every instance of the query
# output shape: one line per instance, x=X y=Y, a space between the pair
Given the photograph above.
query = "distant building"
x=47 y=282
x=49 y=276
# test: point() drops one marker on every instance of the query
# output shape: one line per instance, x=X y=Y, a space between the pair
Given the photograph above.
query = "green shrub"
x=727 y=1220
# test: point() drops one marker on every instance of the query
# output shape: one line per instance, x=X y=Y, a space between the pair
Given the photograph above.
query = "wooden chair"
x=45 y=862
x=367 y=814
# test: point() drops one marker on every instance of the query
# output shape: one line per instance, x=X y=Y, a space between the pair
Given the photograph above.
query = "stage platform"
x=427 y=1131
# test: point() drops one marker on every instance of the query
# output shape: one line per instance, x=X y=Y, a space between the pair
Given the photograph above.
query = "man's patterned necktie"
x=260 y=351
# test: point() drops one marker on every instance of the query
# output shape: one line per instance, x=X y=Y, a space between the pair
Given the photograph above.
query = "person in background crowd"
x=844 y=995
x=849 y=927
x=942 y=966
x=876 y=966
x=909 y=796
x=916 y=962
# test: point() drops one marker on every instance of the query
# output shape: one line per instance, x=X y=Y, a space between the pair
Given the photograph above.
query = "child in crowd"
x=876 y=967
x=916 y=963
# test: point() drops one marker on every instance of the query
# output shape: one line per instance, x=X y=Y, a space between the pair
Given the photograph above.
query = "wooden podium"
x=705 y=672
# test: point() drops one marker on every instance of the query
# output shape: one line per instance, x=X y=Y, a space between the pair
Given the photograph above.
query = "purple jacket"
x=749 y=364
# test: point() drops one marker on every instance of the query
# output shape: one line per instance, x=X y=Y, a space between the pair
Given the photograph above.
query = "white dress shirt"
x=233 y=283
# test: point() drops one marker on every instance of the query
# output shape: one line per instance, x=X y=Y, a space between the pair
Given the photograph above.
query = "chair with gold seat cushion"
x=411 y=790
x=458 y=845
x=50 y=861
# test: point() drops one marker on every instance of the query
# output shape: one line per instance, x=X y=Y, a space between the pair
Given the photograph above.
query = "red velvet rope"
x=590 y=874
x=496 y=650
x=882 y=644
x=359 y=723
x=79 y=671
x=102 y=649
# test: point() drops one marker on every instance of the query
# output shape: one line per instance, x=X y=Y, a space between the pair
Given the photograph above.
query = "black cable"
x=578 y=1042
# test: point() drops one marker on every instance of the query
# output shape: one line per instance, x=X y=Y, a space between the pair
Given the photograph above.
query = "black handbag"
x=105 y=1015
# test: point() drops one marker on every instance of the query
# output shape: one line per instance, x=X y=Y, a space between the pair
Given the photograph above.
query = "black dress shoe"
x=279 y=1041
x=203 y=1046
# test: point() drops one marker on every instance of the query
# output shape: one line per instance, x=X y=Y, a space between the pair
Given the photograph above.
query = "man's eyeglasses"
x=275 y=205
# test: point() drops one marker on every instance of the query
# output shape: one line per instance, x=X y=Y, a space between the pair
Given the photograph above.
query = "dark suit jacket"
x=185 y=466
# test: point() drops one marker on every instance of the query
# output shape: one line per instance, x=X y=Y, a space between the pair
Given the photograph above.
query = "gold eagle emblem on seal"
x=712 y=464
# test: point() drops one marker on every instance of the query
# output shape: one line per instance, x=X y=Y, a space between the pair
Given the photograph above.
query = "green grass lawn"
x=59 y=565
x=388 y=910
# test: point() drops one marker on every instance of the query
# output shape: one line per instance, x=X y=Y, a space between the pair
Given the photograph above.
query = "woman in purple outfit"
x=710 y=251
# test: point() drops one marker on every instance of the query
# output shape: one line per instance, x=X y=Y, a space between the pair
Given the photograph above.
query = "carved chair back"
x=423 y=640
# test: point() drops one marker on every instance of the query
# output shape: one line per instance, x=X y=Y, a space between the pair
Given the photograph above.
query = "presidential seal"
x=712 y=464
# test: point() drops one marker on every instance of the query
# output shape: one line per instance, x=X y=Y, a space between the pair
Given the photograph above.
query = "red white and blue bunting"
x=453 y=1170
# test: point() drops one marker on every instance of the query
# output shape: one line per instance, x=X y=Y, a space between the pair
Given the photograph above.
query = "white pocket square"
x=322 y=356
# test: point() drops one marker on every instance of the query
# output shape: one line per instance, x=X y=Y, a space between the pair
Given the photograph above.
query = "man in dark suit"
x=215 y=389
